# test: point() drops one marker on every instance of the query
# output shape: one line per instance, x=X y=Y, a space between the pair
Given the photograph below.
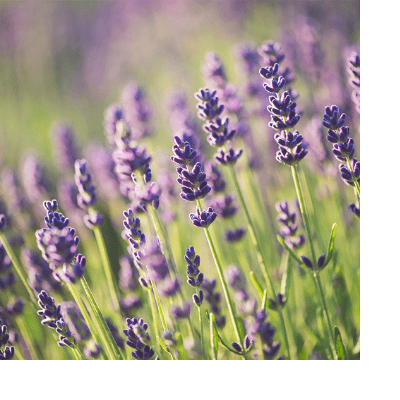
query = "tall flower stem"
x=223 y=282
x=18 y=268
x=104 y=330
x=107 y=267
x=201 y=331
x=27 y=337
x=260 y=256
x=94 y=327
x=316 y=276
x=77 y=353
x=158 y=300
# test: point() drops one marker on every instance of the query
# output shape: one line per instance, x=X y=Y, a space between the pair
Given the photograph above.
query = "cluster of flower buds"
x=138 y=338
x=219 y=133
x=288 y=232
x=193 y=181
x=195 y=277
x=6 y=353
x=343 y=149
x=59 y=245
x=87 y=194
x=283 y=115
x=53 y=318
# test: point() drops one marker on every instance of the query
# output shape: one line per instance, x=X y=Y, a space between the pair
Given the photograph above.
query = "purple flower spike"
x=66 y=339
x=332 y=119
x=203 y=219
x=50 y=312
x=132 y=232
x=195 y=277
x=83 y=180
x=138 y=338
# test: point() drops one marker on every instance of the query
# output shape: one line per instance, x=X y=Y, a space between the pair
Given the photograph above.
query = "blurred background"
x=70 y=59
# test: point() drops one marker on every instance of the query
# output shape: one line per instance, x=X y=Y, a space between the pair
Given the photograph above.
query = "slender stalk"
x=158 y=300
x=317 y=279
x=154 y=312
x=304 y=212
x=330 y=327
x=77 y=353
x=201 y=332
x=104 y=330
x=259 y=253
x=17 y=267
x=223 y=282
x=112 y=287
x=94 y=327
x=27 y=338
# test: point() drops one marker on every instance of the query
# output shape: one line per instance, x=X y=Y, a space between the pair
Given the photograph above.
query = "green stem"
x=26 y=335
x=77 y=353
x=259 y=254
x=94 y=328
x=306 y=221
x=322 y=296
x=112 y=287
x=223 y=282
x=158 y=300
x=18 y=268
x=304 y=213
x=201 y=332
x=104 y=330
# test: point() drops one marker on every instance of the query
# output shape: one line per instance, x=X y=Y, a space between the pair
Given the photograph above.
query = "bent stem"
x=222 y=279
x=260 y=256
x=317 y=279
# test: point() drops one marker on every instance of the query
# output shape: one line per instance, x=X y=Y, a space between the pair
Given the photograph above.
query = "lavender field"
x=180 y=180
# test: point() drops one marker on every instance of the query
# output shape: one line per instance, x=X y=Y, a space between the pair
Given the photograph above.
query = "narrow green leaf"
x=340 y=350
x=264 y=301
x=331 y=245
x=213 y=337
x=291 y=252
x=256 y=284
